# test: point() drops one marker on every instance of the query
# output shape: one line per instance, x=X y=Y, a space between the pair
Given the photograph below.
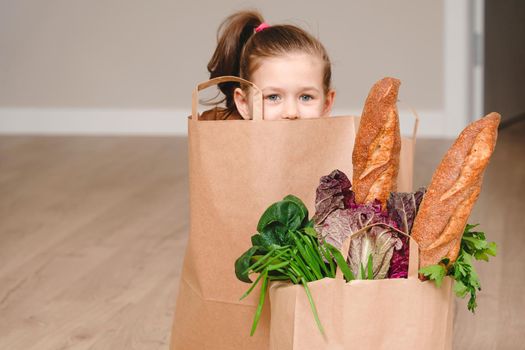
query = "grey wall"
x=150 y=54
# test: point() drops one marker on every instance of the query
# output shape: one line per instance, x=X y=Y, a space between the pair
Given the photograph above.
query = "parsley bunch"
x=473 y=246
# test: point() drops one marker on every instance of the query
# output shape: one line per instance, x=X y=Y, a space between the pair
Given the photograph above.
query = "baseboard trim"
x=507 y=122
x=46 y=121
x=72 y=121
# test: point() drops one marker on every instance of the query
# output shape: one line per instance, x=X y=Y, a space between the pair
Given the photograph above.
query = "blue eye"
x=307 y=98
x=273 y=98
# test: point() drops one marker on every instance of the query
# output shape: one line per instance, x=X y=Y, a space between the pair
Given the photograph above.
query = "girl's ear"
x=242 y=103
x=328 y=103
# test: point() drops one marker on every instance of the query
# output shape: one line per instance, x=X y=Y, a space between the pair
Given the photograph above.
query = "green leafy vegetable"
x=290 y=213
x=370 y=267
x=435 y=272
x=286 y=248
x=341 y=263
x=243 y=263
x=466 y=280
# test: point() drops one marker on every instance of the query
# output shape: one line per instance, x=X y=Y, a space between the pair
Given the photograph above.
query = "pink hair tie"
x=262 y=27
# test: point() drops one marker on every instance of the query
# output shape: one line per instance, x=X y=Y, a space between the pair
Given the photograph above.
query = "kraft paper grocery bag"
x=236 y=169
x=400 y=313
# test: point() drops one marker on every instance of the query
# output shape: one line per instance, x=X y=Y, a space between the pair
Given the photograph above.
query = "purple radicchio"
x=378 y=240
x=331 y=194
x=338 y=216
x=402 y=208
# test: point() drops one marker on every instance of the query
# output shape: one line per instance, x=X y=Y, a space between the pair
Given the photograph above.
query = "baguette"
x=455 y=187
x=377 y=145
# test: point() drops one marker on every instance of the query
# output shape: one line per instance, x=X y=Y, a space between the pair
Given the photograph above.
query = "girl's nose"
x=290 y=111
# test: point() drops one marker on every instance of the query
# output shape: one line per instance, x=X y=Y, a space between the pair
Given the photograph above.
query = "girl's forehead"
x=295 y=69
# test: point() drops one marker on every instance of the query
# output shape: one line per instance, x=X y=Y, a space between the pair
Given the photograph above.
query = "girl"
x=293 y=71
x=290 y=66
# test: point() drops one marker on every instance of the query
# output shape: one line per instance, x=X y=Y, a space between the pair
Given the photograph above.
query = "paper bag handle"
x=413 y=257
x=416 y=120
x=257 y=112
x=416 y=124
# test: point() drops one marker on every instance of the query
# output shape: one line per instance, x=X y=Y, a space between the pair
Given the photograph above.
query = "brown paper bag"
x=401 y=313
x=237 y=168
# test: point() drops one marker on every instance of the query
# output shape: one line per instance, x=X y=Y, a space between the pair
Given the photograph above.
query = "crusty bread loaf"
x=377 y=145
x=454 y=189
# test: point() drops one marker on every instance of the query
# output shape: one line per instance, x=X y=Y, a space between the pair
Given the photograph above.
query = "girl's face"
x=292 y=88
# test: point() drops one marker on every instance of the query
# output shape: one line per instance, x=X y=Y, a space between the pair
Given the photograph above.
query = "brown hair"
x=239 y=50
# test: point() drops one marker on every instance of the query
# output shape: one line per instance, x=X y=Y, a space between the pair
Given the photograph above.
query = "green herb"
x=370 y=267
x=466 y=280
x=286 y=248
x=435 y=272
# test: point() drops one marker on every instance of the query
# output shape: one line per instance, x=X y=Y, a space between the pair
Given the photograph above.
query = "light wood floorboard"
x=93 y=232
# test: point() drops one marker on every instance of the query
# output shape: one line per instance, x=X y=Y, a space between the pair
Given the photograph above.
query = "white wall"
x=121 y=66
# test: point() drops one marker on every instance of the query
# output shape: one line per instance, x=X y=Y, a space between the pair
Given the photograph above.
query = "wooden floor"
x=93 y=230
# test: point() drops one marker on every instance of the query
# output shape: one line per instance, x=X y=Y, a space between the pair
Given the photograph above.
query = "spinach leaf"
x=242 y=264
x=301 y=206
x=286 y=215
x=272 y=236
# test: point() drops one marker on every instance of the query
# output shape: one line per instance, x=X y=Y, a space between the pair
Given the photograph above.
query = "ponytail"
x=232 y=35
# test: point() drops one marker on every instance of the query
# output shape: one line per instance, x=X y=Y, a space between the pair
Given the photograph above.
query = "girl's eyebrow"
x=308 y=88
x=272 y=88
x=305 y=88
